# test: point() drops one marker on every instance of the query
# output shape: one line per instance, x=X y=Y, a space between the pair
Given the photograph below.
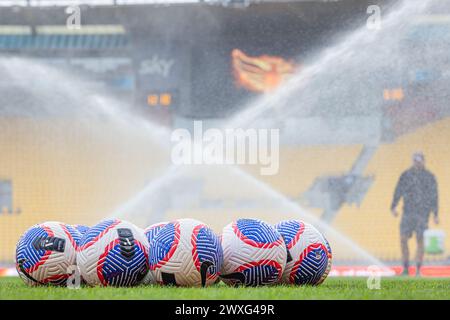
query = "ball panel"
x=330 y=261
x=26 y=251
x=206 y=250
x=115 y=269
x=291 y=231
x=311 y=257
x=151 y=232
x=73 y=234
x=310 y=266
x=263 y=272
x=81 y=228
x=94 y=234
x=256 y=233
x=249 y=258
x=164 y=245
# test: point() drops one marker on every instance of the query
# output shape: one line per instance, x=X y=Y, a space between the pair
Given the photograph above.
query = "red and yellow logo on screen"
x=261 y=73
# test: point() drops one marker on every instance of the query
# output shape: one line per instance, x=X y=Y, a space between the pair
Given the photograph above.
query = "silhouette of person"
x=418 y=188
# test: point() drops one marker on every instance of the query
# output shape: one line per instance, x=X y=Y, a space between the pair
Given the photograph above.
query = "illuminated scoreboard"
x=162 y=74
x=396 y=94
x=163 y=99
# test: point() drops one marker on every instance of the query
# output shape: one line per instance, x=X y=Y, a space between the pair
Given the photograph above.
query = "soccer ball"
x=113 y=253
x=254 y=253
x=310 y=253
x=46 y=252
x=150 y=232
x=185 y=252
x=81 y=228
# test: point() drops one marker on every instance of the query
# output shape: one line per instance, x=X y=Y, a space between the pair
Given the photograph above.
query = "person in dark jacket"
x=418 y=188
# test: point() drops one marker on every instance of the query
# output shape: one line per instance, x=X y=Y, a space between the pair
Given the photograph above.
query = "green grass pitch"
x=333 y=288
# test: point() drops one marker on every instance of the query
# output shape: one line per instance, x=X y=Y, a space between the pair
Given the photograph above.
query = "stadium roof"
x=65 y=3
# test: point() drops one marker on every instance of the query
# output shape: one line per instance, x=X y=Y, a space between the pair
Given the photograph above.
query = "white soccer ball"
x=185 y=252
x=46 y=253
x=310 y=253
x=113 y=253
x=254 y=253
x=150 y=232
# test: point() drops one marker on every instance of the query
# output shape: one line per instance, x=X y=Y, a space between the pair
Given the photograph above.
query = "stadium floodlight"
x=87 y=29
x=12 y=3
x=65 y=3
x=15 y=29
x=236 y=3
x=432 y=19
x=231 y=3
x=142 y=2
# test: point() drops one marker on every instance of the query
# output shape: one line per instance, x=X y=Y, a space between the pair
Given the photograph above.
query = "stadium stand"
x=102 y=37
x=371 y=225
x=80 y=184
x=378 y=231
x=68 y=171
